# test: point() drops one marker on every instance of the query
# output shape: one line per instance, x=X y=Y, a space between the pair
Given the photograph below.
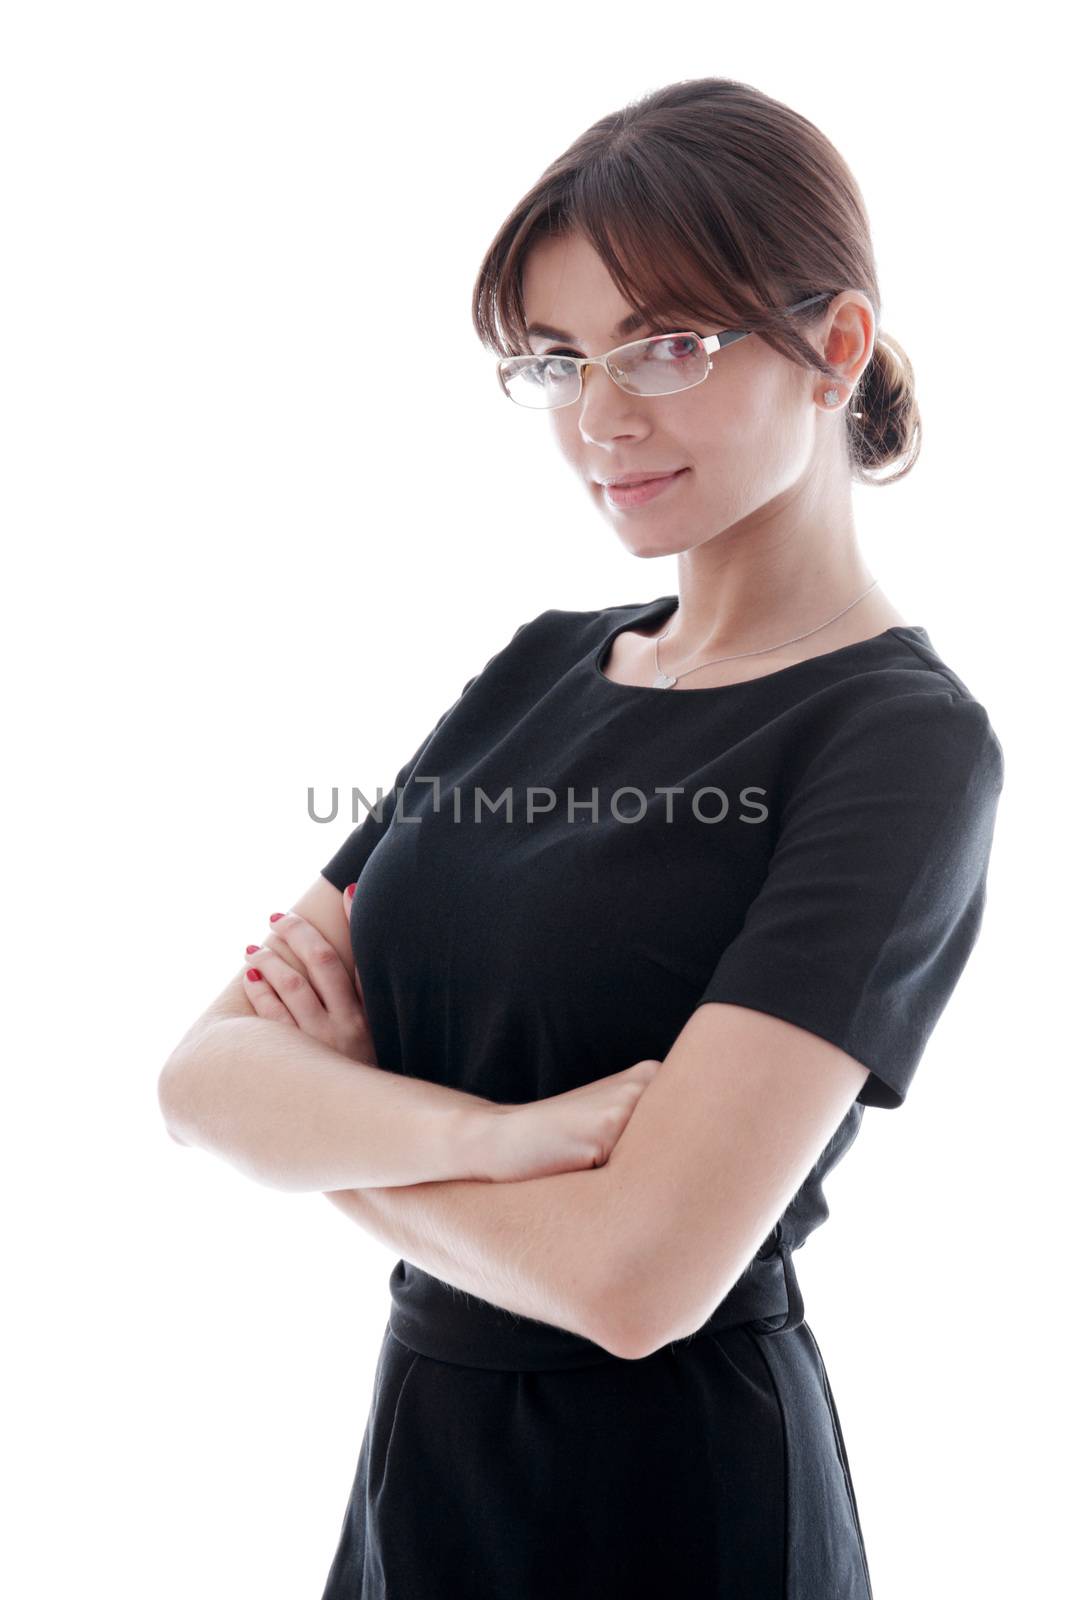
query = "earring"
x=830 y=397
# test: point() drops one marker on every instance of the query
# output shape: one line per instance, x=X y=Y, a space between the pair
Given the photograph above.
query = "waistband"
x=436 y=1319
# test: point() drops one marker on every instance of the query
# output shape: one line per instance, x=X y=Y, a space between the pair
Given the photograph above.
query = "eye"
x=682 y=346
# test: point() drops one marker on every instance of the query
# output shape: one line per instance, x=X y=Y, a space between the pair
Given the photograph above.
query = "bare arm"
x=535 y=1247
x=289 y=1090
x=641 y=1251
x=295 y=1114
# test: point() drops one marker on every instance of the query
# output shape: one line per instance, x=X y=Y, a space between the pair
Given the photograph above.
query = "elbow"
x=623 y=1345
x=624 y=1331
x=625 y=1314
x=640 y=1299
x=632 y=1337
x=637 y=1313
x=169 y=1096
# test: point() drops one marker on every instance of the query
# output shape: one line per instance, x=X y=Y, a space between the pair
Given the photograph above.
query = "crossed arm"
x=633 y=1254
x=535 y=1247
x=640 y=1252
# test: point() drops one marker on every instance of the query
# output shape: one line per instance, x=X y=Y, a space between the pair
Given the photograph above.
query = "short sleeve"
x=876 y=889
x=346 y=864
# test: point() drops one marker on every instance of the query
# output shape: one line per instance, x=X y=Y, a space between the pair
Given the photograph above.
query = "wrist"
x=479 y=1139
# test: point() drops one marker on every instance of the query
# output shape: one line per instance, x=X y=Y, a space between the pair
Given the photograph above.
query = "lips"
x=630 y=480
x=630 y=496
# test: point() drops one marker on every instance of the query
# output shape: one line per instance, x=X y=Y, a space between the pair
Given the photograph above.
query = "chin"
x=646 y=544
x=648 y=552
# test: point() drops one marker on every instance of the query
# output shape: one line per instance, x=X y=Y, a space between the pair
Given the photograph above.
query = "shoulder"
x=904 y=761
x=907 y=706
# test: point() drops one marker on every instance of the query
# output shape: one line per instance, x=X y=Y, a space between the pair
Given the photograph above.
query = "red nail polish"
x=250 y=949
x=254 y=975
x=276 y=916
x=351 y=889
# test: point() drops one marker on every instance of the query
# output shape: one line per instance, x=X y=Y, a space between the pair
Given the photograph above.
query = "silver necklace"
x=664 y=680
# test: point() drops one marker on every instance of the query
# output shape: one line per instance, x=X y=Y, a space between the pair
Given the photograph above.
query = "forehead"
x=570 y=297
x=568 y=293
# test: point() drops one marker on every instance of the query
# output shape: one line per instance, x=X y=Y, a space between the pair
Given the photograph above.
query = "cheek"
x=712 y=427
x=749 y=417
x=745 y=445
x=566 y=436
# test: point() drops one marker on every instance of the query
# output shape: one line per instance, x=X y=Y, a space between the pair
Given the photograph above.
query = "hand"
x=565 y=1132
x=304 y=983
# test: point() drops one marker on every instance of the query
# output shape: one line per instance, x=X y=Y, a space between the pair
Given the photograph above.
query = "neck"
x=750 y=589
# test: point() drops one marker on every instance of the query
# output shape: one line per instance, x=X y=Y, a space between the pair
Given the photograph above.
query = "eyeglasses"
x=663 y=364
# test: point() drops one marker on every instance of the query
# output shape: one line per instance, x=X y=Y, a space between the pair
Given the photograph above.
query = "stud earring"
x=830 y=397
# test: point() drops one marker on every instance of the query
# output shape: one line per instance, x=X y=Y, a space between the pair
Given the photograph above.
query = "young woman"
x=585 y=1048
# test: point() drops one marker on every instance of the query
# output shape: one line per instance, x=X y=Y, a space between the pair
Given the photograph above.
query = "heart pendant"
x=664 y=681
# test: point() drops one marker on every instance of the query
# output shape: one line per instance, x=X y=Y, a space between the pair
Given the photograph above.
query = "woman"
x=742 y=870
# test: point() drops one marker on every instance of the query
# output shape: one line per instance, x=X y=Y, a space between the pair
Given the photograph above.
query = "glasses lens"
x=661 y=365
x=540 y=381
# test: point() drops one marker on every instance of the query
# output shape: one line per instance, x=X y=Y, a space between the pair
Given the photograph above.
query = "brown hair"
x=709 y=199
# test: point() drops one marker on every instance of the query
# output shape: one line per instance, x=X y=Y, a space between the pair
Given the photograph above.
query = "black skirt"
x=713 y=1468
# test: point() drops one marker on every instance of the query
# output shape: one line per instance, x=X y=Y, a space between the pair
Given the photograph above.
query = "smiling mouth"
x=635 y=483
x=627 y=497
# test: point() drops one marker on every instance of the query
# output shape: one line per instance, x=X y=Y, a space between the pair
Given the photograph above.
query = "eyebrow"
x=629 y=324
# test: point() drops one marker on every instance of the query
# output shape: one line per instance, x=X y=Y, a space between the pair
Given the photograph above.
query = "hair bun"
x=885 y=426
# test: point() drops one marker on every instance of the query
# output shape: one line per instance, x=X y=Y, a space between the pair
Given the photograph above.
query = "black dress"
x=822 y=857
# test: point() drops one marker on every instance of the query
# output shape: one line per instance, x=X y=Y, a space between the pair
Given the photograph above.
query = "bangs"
x=669 y=261
x=713 y=206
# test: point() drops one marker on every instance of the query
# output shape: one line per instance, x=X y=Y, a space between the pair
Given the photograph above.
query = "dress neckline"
x=663 y=607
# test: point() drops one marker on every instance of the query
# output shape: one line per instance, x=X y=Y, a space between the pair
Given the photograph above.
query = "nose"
x=606 y=410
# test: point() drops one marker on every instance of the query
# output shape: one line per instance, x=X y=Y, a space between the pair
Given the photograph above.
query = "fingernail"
x=254 y=975
x=351 y=889
x=275 y=916
x=250 y=949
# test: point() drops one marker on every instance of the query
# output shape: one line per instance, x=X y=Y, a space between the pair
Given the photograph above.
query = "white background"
x=244 y=556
